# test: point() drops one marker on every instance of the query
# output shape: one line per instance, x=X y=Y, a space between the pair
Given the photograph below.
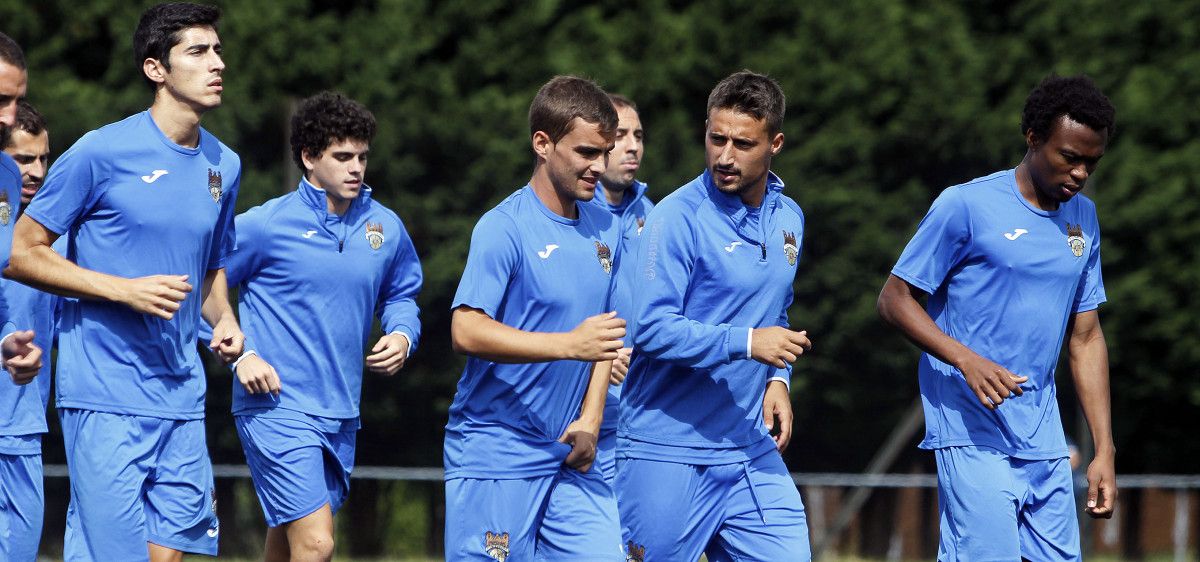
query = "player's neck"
x=753 y=197
x=177 y=120
x=614 y=195
x=557 y=203
x=1029 y=191
x=335 y=205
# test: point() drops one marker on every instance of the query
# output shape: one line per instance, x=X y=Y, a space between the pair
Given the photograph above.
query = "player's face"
x=196 y=68
x=12 y=89
x=626 y=155
x=738 y=149
x=340 y=169
x=576 y=162
x=32 y=154
x=1061 y=164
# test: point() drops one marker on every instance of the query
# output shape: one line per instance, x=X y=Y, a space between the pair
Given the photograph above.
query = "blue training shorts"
x=137 y=479
x=566 y=516
x=997 y=507
x=731 y=512
x=21 y=503
x=298 y=462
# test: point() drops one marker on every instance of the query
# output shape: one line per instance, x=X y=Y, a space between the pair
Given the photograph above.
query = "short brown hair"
x=753 y=94
x=564 y=98
x=620 y=101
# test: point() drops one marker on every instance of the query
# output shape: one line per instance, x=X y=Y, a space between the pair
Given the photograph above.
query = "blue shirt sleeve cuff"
x=739 y=343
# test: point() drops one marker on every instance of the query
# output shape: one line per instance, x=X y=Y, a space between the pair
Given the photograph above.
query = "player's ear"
x=1032 y=141
x=776 y=144
x=308 y=159
x=541 y=144
x=155 y=70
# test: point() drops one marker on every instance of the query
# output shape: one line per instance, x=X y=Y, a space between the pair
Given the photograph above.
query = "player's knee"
x=313 y=545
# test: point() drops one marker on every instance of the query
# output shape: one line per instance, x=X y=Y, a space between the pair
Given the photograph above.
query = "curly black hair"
x=1077 y=97
x=327 y=118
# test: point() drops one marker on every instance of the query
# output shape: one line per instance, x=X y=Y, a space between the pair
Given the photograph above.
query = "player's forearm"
x=680 y=340
x=474 y=333
x=215 y=304
x=592 y=410
x=41 y=267
x=1089 y=370
x=898 y=306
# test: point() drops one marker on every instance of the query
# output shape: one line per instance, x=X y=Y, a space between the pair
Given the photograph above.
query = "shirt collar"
x=315 y=197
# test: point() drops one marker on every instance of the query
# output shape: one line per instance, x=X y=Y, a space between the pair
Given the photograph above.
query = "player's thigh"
x=108 y=459
x=487 y=519
x=287 y=467
x=21 y=506
x=977 y=505
x=580 y=522
x=669 y=511
x=339 y=463
x=181 y=501
x=765 y=518
x=1049 y=523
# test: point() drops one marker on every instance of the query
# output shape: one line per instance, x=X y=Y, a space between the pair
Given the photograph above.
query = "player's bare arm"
x=597 y=338
x=777 y=412
x=36 y=264
x=899 y=307
x=583 y=433
x=778 y=346
x=389 y=354
x=228 y=340
x=1089 y=369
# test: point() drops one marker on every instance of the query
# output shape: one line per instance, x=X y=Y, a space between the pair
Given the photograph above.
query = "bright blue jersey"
x=133 y=203
x=632 y=213
x=709 y=269
x=10 y=203
x=310 y=283
x=23 y=408
x=538 y=272
x=1004 y=278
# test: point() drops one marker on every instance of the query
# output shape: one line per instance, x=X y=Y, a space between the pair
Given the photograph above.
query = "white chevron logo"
x=549 y=250
x=153 y=177
x=1016 y=233
x=731 y=246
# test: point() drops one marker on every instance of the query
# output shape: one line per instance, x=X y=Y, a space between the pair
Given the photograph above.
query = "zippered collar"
x=632 y=195
x=732 y=204
x=316 y=198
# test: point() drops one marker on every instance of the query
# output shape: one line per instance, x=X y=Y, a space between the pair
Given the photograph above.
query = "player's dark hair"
x=325 y=119
x=564 y=98
x=28 y=120
x=753 y=94
x=1077 y=97
x=620 y=101
x=159 y=29
x=10 y=52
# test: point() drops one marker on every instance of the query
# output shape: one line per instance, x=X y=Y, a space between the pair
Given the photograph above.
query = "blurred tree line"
x=888 y=103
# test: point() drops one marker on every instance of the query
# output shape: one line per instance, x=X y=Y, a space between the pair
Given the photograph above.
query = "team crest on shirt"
x=214 y=184
x=5 y=209
x=790 y=249
x=495 y=545
x=634 y=552
x=641 y=223
x=1075 y=239
x=375 y=234
x=605 y=256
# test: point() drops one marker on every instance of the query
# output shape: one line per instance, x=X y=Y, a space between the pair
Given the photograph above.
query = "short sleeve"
x=939 y=244
x=1090 y=293
x=491 y=263
x=72 y=186
x=224 y=239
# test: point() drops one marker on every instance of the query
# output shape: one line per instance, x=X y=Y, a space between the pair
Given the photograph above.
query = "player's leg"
x=764 y=517
x=21 y=506
x=581 y=521
x=107 y=459
x=490 y=520
x=181 y=500
x=1049 y=524
x=669 y=511
x=977 y=502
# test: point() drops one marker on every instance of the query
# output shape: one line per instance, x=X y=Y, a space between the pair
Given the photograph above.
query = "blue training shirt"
x=310 y=284
x=133 y=203
x=1004 y=277
x=632 y=213
x=709 y=269
x=536 y=271
x=10 y=205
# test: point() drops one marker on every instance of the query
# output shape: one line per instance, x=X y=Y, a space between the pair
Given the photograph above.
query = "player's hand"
x=228 y=341
x=778 y=346
x=388 y=355
x=22 y=358
x=1102 y=487
x=990 y=382
x=156 y=295
x=620 y=366
x=777 y=407
x=582 y=438
x=257 y=376
x=597 y=338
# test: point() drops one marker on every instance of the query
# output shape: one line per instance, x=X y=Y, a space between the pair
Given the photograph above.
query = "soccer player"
x=313 y=268
x=147 y=205
x=531 y=313
x=13 y=79
x=698 y=470
x=23 y=408
x=625 y=197
x=1010 y=263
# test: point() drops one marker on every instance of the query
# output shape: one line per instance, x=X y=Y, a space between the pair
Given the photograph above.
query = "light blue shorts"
x=996 y=507
x=21 y=503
